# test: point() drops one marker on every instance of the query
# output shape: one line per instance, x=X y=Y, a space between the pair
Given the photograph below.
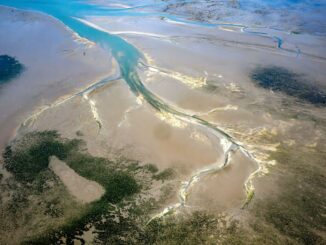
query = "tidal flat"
x=162 y=123
x=56 y=62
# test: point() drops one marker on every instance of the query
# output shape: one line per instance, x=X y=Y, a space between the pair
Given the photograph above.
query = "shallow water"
x=77 y=15
x=59 y=64
x=128 y=57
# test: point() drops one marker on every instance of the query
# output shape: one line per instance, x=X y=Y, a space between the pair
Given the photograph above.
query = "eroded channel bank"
x=91 y=104
x=128 y=58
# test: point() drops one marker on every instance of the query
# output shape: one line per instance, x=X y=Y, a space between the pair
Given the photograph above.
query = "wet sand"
x=134 y=130
x=82 y=189
x=220 y=192
x=214 y=87
x=204 y=74
x=61 y=63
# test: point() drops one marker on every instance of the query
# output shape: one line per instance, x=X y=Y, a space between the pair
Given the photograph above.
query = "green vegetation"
x=189 y=228
x=28 y=158
x=166 y=174
x=151 y=168
x=198 y=228
x=294 y=216
x=282 y=80
x=44 y=202
x=298 y=213
x=116 y=182
x=9 y=68
x=31 y=158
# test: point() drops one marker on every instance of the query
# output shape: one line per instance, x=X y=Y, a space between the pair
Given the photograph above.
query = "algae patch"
x=125 y=182
x=29 y=156
x=280 y=79
x=9 y=68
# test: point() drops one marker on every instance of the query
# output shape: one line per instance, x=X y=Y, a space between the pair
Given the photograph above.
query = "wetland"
x=162 y=122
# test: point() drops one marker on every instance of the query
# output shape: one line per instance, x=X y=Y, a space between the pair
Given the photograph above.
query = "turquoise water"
x=66 y=11
x=128 y=58
x=126 y=55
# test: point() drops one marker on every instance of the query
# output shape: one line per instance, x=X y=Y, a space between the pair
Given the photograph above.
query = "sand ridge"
x=82 y=189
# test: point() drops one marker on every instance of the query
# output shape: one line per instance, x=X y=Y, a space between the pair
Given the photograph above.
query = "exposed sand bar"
x=83 y=189
x=223 y=60
x=181 y=140
x=60 y=63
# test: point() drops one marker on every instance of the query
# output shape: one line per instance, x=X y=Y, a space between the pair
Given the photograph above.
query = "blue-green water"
x=128 y=57
x=67 y=11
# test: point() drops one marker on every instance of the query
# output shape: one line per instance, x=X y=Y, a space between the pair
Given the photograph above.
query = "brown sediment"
x=82 y=189
x=56 y=67
x=257 y=120
x=223 y=190
x=132 y=129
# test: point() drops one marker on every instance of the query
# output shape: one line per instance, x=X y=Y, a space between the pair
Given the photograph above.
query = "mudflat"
x=164 y=123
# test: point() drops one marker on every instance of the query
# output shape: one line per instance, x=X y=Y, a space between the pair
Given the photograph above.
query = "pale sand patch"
x=83 y=189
